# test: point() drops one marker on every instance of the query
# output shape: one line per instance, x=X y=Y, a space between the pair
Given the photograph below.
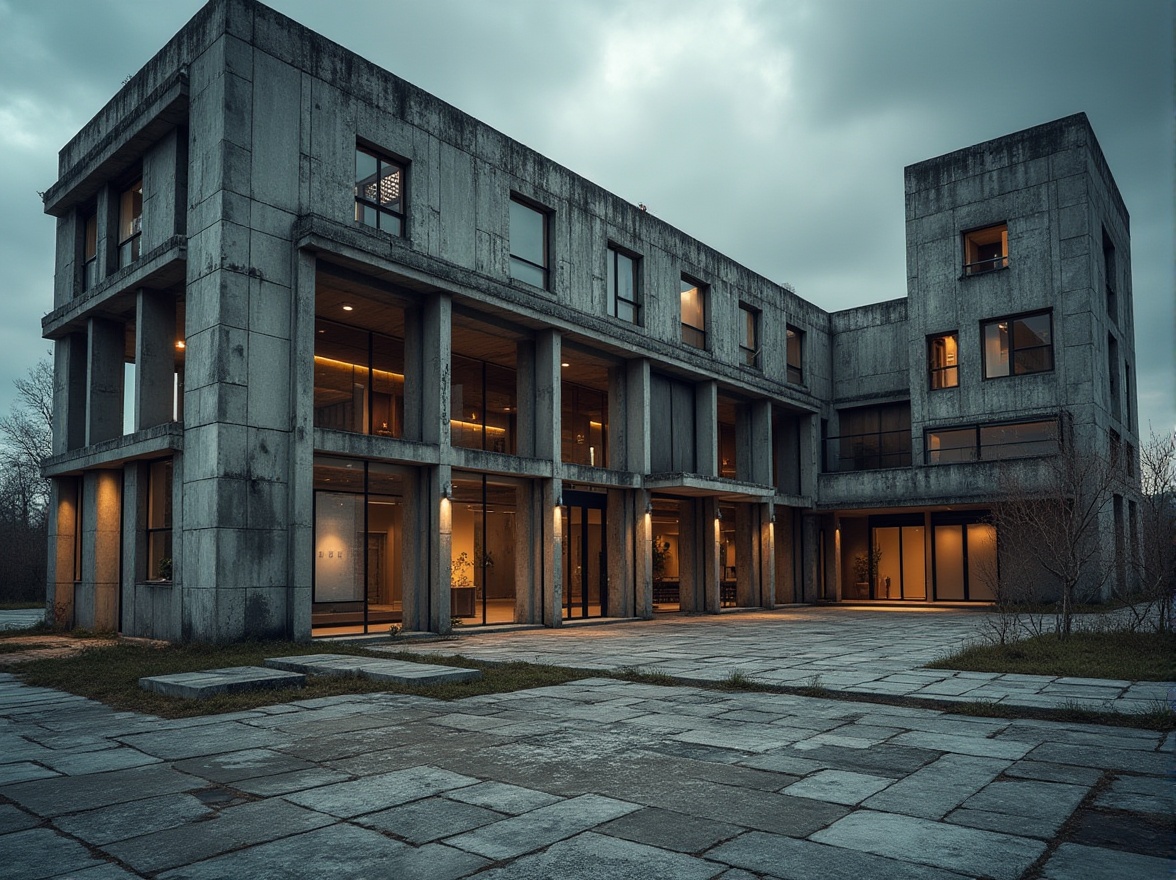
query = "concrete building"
x=331 y=355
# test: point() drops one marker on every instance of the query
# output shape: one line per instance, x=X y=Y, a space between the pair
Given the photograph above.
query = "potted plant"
x=865 y=567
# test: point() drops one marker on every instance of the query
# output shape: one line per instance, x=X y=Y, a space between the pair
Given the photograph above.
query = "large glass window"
x=379 y=191
x=986 y=250
x=1017 y=345
x=943 y=360
x=694 y=297
x=90 y=252
x=528 y=244
x=358 y=532
x=992 y=442
x=358 y=380
x=749 y=336
x=795 y=340
x=483 y=545
x=159 y=520
x=583 y=425
x=623 y=290
x=130 y=223
x=871 y=437
x=483 y=405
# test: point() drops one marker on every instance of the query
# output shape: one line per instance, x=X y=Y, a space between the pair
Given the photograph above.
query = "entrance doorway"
x=900 y=549
x=585 y=545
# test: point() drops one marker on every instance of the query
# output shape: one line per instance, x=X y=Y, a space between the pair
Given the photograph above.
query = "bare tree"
x=1153 y=556
x=25 y=440
x=1049 y=529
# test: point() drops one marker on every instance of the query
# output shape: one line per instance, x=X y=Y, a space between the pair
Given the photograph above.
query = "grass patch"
x=1143 y=656
x=20 y=606
x=111 y=675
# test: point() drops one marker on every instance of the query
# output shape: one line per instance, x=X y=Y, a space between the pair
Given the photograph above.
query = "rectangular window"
x=1110 y=278
x=749 y=336
x=694 y=297
x=358 y=380
x=943 y=360
x=159 y=521
x=795 y=355
x=379 y=191
x=528 y=244
x=583 y=425
x=1017 y=345
x=986 y=250
x=90 y=252
x=991 y=442
x=622 y=286
x=872 y=437
x=130 y=223
x=1128 y=396
x=1113 y=373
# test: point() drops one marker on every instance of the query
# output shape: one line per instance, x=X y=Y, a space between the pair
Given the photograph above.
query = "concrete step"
x=394 y=671
x=211 y=682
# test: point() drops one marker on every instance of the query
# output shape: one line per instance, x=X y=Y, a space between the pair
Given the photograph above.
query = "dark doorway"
x=585 y=571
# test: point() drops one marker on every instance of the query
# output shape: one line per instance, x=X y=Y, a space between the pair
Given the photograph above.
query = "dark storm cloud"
x=775 y=131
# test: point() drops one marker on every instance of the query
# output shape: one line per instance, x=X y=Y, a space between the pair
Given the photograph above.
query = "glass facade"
x=358 y=380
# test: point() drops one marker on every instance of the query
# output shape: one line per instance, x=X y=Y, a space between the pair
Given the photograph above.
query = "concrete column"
x=712 y=563
x=550 y=517
x=767 y=553
x=810 y=453
x=754 y=442
x=706 y=428
x=630 y=557
x=691 y=562
x=810 y=585
x=69 y=392
x=96 y=603
x=438 y=518
x=155 y=358
x=300 y=477
x=104 y=378
x=748 y=586
x=428 y=359
x=64 y=519
x=548 y=395
x=636 y=422
x=830 y=589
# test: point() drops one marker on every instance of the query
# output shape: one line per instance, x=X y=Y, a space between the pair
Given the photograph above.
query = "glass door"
x=585 y=571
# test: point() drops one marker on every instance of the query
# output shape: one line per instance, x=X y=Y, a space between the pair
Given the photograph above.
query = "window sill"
x=982 y=272
x=156 y=582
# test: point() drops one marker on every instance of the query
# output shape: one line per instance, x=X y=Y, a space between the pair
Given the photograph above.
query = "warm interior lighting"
x=181 y=345
x=331 y=362
x=348 y=307
x=565 y=364
x=477 y=426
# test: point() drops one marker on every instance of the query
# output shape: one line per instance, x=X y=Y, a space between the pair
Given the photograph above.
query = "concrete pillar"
x=437 y=517
x=104 y=379
x=630 y=556
x=548 y=396
x=706 y=428
x=551 y=519
x=69 y=392
x=155 y=358
x=810 y=585
x=830 y=589
x=300 y=476
x=97 y=605
x=767 y=553
x=712 y=563
x=691 y=564
x=64 y=521
x=753 y=442
x=436 y=361
x=748 y=586
x=636 y=421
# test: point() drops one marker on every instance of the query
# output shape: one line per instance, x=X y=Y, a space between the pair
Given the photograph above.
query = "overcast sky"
x=774 y=131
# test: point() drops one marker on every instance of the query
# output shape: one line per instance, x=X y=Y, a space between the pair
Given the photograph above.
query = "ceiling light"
x=347 y=307
x=565 y=364
x=181 y=345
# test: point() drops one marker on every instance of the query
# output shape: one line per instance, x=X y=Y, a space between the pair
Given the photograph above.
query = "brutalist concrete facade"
x=293 y=396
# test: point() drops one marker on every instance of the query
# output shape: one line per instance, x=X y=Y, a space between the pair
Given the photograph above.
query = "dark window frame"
x=940 y=377
x=978 y=445
x=978 y=256
x=130 y=245
x=88 y=222
x=750 y=357
x=794 y=345
x=544 y=268
x=613 y=273
x=1013 y=348
x=693 y=335
x=397 y=220
x=158 y=567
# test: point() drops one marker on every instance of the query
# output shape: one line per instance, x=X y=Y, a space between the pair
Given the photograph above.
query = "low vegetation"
x=1133 y=656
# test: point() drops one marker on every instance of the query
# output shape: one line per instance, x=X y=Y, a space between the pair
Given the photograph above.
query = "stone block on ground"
x=213 y=682
x=392 y=671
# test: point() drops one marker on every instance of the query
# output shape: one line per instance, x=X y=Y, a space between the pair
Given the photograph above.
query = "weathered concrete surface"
x=595 y=778
x=392 y=671
x=213 y=682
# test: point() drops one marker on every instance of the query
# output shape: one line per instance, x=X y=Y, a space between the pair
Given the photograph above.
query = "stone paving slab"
x=391 y=671
x=214 y=682
x=1077 y=862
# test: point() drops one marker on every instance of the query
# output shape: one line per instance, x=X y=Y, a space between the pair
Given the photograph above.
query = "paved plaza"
x=863 y=650
x=597 y=778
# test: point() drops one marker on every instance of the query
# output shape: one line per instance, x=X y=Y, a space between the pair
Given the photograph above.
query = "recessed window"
x=694 y=297
x=749 y=336
x=986 y=250
x=1017 y=345
x=992 y=442
x=90 y=252
x=159 y=521
x=528 y=244
x=1110 y=277
x=379 y=191
x=622 y=286
x=130 y=223
x=943 y=360
x=795 y=346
